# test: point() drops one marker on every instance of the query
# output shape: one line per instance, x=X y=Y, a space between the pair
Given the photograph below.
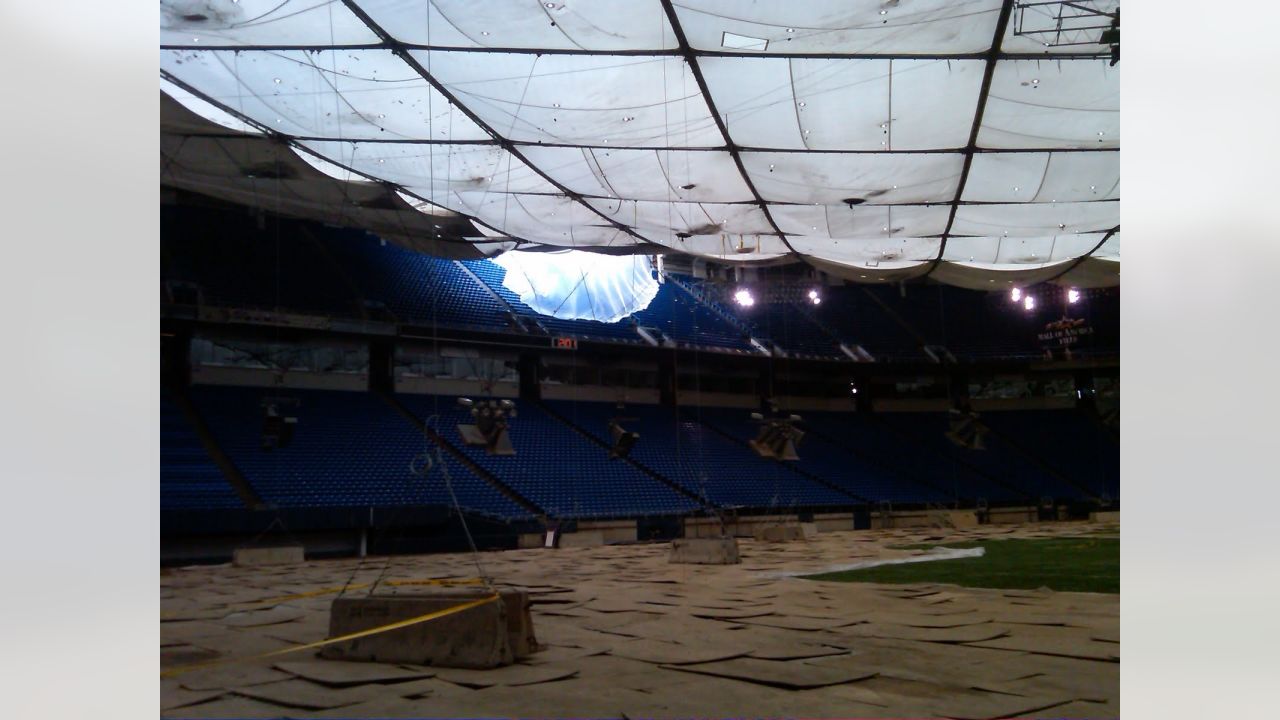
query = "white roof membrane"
x=844 y=125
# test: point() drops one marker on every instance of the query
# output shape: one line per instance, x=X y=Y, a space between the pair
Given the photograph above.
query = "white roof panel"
x=840 y=132
x=261 y=22
x=834 y=178
x=579 y=99
x=1043 y=177
x=561 y=25
x=843 y=26
x=666 y=175
x=1052 y=104
x=841 y=104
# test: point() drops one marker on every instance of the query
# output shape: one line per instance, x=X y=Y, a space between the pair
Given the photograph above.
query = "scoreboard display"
x=564 y=343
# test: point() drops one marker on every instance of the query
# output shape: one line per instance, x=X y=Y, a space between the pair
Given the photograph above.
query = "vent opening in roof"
x=733 y=41
x=853 y=201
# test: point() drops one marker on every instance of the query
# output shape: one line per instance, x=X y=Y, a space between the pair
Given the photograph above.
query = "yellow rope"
x=341 y=638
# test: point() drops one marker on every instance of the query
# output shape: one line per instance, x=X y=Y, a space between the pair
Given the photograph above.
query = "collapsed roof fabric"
x=577 y=285
x=876 y=141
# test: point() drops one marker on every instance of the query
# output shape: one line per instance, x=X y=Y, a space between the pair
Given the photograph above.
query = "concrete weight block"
x=263 y=556
x=779 y=533
x=705 y=551
x=486 y=636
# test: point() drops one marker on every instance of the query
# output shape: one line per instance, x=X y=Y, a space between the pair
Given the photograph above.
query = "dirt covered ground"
x=626 y=634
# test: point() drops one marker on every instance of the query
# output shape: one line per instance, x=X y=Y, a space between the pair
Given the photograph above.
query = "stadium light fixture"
x=490 y=428
x=743 y=298
x=623 y=439
x=778 y=437
x=1073 y=296
x=1029 y=303
x=965 y=430
x=1015 y=294
x=814 y=297
x=278 y=423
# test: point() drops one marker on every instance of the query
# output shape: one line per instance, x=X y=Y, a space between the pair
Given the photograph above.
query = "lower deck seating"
x=1069 y=442
x=687 y=452
x=936 y=477
x=998 y=461
x=556 y=468
x=188 y=477
x=350 y=449
x=833 y=464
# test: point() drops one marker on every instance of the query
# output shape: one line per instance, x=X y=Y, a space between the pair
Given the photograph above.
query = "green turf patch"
x=1089 y=564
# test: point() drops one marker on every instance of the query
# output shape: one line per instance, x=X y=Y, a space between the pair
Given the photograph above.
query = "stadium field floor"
x=625 y=634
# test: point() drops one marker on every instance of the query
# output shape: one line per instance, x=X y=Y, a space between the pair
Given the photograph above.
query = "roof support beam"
x=402 y=52
x=993 y=56
x=718 y=148
x=1087 y=255
x=691 y=58
x=392 y=44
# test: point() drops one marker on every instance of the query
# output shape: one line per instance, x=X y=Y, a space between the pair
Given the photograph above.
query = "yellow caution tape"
x=341 y=638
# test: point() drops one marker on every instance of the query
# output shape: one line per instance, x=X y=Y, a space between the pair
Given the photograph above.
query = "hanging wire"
x=421 y=466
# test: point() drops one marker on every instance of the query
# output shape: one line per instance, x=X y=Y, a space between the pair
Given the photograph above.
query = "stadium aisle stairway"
x=857 y=435
x=188 y=477
x=350 y=449
x=1068 y=441
x=703 y=462
x=830 y=463
x=998 y=461
x=555 y=467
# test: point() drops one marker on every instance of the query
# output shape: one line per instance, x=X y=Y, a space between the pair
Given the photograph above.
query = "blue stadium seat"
x=998 y=461
x=557 y=468
x=833 y=463
x=931 y=477
x=350 y=449
x=1069 y=442
x=188 y=478
x=688 y=322
x=310 y=268
x=420 y=289
x=687 y=452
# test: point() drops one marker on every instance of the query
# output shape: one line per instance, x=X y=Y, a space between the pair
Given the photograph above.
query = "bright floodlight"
x=814 y=297
x=743 y=298
x=1073 y=296
x=1016 y=294
x=817 y=301
x=1029 y=303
